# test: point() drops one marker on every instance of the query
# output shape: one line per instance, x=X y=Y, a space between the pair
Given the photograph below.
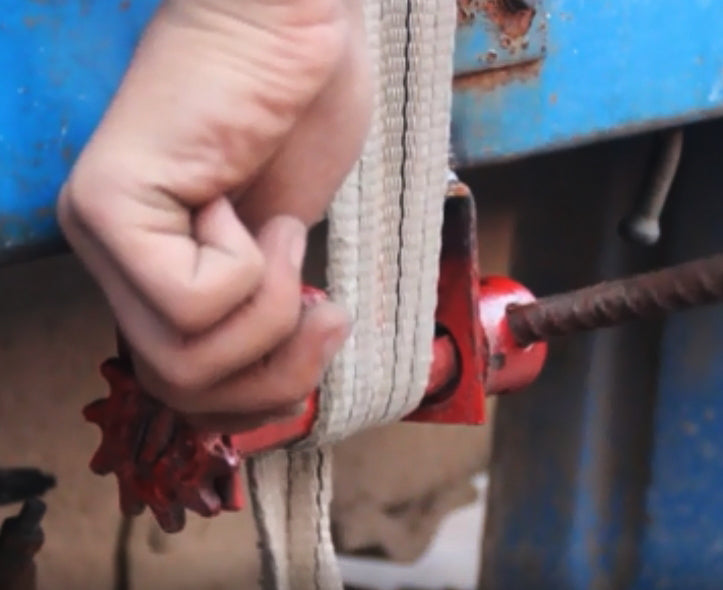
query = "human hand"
x=234 y=126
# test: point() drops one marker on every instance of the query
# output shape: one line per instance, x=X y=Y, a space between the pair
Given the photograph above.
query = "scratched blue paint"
x=60 y=63
x=611 y=66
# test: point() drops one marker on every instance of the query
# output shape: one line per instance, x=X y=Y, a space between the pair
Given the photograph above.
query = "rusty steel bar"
x=610 y=303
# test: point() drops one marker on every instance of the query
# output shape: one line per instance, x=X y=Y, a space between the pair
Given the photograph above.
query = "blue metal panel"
x=611 y=67
x=683 y=541
x=61 y=62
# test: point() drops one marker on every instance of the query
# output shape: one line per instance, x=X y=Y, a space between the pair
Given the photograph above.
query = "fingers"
x=285 y=377
x=197 y=115
x=192 y=268
x=185 y=363
x=207 y=373
x=188 y=364
x=194 y=279
x=197 y=295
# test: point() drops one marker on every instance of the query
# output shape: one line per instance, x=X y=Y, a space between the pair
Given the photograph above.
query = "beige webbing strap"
x=384 y=243
x=291 y=495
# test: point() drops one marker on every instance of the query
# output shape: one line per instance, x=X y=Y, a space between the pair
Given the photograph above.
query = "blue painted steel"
x=682 y=546
x=60 y=62
x=611 y=67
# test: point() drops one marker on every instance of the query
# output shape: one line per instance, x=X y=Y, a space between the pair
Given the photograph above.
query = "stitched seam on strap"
x=352 y=406
x=402 y=195
x=268 y=562
x=319 y=521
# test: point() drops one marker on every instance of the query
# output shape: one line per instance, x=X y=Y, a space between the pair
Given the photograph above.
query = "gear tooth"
x=94 y=412
x=110 y=370
x=202 y=500
x=159 y=436
x=171 y=517
x=102 y=462
x=232 y=493
x=178 y=467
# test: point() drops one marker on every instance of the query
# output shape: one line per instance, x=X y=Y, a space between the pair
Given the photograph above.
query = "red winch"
x=489 y=340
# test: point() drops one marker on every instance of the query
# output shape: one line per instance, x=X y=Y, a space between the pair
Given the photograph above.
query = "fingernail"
x=297 y=247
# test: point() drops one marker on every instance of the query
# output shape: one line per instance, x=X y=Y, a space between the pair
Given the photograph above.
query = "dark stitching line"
x=402 y=193
x=413 y=367
x=356 y=318
x=319 y=490
x=289 y=483
x=289 y=493
x=267 y=575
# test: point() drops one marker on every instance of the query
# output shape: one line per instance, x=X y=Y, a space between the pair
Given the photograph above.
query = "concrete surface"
x=451 y=560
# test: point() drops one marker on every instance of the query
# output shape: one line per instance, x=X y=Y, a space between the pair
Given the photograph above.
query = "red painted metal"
x=161 y=461
x=509 y=366
x=445 y=366
x=456 y=316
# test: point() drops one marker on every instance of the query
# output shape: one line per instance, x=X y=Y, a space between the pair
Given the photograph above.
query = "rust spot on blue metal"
x=31 y=21
x=512 y=17
x=488 y=80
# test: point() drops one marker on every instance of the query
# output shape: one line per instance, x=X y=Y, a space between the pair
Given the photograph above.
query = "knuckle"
x=84 y=195
x=75 y=206
x=64 y=208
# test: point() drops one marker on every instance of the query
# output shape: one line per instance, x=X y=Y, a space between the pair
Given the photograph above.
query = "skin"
x=234 y=126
